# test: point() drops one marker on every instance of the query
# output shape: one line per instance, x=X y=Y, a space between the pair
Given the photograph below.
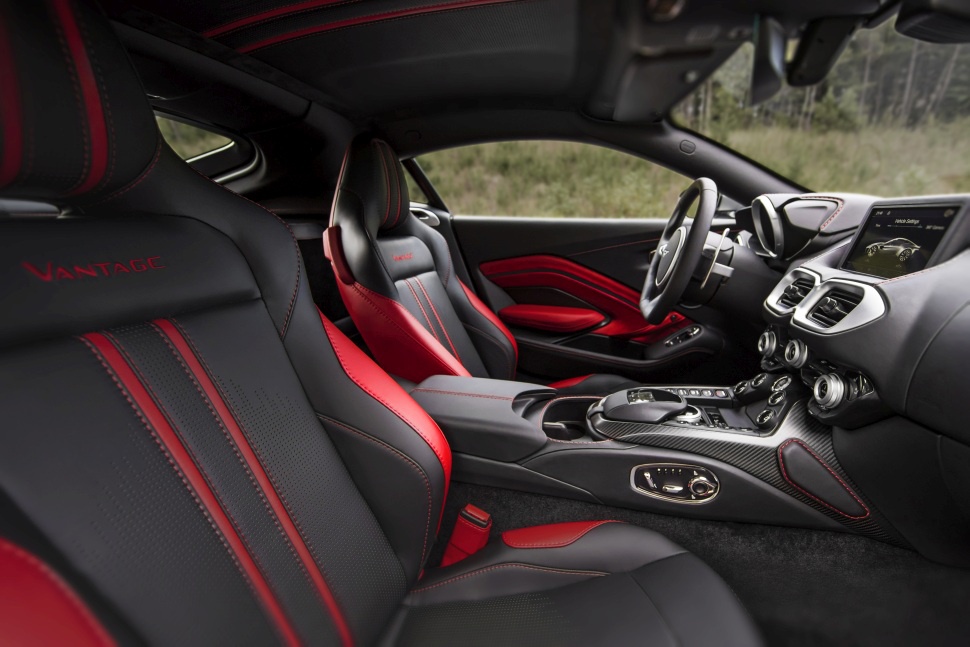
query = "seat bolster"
x=558 y=554
x=38 y=608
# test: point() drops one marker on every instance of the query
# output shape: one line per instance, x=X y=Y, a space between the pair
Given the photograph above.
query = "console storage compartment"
x=483 y=417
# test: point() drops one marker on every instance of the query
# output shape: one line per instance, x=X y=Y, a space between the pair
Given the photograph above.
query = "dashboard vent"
x=796 y=292
x=834 y=307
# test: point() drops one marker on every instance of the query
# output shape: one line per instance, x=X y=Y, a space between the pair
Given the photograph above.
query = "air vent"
x=834 y=307
x=796 y=292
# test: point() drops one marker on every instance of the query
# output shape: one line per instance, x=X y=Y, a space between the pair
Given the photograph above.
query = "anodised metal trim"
x=661 y=496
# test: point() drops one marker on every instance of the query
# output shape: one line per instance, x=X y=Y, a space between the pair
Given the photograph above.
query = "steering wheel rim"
x=678 y=251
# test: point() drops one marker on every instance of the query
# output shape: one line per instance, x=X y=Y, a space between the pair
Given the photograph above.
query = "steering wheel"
x=678 y=251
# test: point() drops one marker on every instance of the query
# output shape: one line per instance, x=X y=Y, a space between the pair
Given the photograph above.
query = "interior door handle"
x=426 y=216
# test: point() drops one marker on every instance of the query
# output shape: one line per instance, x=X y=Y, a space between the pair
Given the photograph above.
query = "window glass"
x=414 y=191
x=190 y=141
x=892 y=118
x=552 y=179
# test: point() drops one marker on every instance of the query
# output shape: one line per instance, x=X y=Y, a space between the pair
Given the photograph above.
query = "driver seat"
x=396 y=277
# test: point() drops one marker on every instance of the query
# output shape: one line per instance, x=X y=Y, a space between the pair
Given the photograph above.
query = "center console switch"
x=484 y=417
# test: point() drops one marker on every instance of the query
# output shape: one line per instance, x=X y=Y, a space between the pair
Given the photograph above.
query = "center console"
x=748 y=452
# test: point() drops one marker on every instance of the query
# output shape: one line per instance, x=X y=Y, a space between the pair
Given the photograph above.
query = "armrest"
x=483 y=417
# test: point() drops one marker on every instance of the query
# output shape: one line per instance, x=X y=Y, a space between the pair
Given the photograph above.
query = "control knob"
x=701 y=486
x=767 y=343
x=796 y=353
x=829 y=390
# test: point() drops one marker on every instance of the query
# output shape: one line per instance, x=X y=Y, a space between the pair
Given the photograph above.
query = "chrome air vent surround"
x=834 y=307
x=793 y=288
x=828 y=309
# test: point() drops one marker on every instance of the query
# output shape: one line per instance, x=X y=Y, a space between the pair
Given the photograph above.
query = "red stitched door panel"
x=617 y=304
x=569 y=289
x=552 y=318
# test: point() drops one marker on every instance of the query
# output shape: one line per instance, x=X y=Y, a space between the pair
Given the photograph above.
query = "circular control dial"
x=829 y=390
x=701 y=486
x=767 y=343
x=796 y=353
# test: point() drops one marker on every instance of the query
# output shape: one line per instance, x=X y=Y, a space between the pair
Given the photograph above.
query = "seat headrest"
x=75 y=123
x=372 y=172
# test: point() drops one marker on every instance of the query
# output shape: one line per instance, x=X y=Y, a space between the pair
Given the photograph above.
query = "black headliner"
x=429 y=74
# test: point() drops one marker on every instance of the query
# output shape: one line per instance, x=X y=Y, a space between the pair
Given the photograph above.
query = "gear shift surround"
x=643 y=405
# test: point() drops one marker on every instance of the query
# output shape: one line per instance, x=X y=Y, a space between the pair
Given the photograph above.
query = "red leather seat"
x=190 y=454
x=397 y=279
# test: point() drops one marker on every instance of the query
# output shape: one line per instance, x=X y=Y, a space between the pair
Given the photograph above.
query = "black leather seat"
x=191 y=454
x=397 y=279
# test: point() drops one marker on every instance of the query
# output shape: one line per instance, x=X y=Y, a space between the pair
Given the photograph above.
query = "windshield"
x=892 y=118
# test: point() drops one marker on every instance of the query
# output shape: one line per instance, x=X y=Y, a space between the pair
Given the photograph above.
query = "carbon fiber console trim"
x=758 y=455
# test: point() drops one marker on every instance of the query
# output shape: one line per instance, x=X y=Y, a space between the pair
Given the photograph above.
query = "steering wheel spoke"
x=678 y=251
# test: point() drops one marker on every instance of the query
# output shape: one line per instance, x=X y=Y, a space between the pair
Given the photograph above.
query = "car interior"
x=273 y=390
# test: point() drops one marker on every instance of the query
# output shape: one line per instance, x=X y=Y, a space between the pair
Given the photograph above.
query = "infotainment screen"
x=899 y=240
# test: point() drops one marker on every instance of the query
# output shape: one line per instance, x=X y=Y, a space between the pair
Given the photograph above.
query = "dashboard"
x=872 y=313
x=875 y=299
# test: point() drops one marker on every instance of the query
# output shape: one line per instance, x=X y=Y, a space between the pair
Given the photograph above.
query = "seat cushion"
x=580 y=583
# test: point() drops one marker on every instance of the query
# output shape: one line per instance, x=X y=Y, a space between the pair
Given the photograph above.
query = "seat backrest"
x=185 y=440
x=397 y=279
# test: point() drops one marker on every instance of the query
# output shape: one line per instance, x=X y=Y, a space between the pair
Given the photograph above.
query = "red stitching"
x=560 y=542
x=188 y=447
x=781 y=462
x=69 y=595
x=363 y=386
x=396 y=166
x=251 y=47
x=360 y=290
x=434 y=332
x=438 y=317
x=467 y=395
x=75 y=83
x=387 y=182
x=259 y=455
x=235 y=450
x=404 y=457
x=839 y=201
x=221 y=30
x=547 y=569
x=144 y=174
x=174 y=465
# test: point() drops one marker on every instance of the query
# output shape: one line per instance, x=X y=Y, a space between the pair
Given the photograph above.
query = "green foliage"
x=549 y=178
x=189 y=141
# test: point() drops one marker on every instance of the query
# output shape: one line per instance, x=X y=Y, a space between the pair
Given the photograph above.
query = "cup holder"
x=565 y=418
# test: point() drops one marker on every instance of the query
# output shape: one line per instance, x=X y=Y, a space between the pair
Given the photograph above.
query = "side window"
x=220 y=156
x=551 y=179
x=190 y=141
x=414 y=191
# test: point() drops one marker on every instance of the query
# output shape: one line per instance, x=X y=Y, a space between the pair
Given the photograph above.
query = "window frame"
x=224 y=164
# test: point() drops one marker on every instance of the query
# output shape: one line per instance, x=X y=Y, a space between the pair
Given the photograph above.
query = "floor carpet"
x=803 y=587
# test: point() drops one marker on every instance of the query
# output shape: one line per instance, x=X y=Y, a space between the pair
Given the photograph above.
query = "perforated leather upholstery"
x=190 y=453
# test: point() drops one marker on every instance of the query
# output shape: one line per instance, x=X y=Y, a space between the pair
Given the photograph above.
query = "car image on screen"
x=901 y=248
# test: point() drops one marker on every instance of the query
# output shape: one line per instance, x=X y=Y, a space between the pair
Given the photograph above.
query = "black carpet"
x=803 y=587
